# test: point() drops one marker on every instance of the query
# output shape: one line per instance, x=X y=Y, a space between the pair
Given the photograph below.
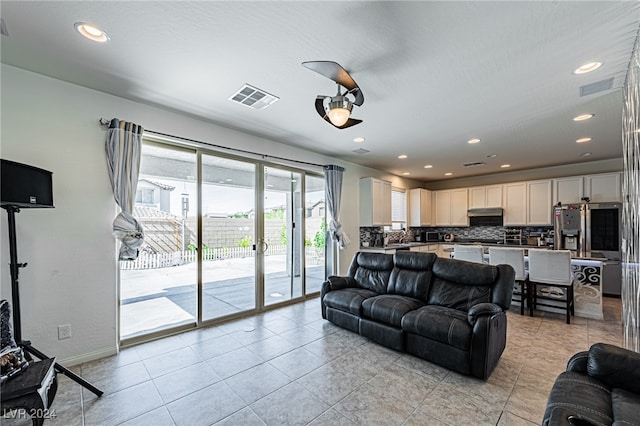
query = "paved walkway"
x=155 y=299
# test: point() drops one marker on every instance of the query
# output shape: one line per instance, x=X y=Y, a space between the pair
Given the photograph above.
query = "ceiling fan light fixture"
x=339 y=110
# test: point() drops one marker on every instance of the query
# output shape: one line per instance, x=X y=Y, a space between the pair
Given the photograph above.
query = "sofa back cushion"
x=372 y=270
x=458 y=284
x=411 y=275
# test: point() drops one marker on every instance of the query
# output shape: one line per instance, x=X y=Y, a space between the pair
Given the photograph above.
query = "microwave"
x=431 y=236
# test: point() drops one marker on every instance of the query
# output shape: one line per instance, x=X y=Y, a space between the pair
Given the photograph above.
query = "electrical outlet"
x=64 y=331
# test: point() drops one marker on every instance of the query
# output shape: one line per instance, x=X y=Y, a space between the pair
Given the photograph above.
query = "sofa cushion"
x=411 y=274
x=626 y=406
x=439 y=323
x=348 y=299
x=389 y=308
x=580 y=395
x=372 y=270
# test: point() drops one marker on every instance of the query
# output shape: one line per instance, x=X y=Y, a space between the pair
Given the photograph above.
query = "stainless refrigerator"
x=592 y=231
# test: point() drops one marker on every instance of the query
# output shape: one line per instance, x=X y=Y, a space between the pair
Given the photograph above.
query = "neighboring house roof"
x=142 y=212
x=158 y=184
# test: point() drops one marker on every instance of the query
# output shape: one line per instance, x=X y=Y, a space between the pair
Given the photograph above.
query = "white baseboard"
x=91 y=356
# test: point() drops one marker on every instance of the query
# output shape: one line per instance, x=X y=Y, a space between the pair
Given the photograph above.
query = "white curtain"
x=333 y=183
x=123 y=146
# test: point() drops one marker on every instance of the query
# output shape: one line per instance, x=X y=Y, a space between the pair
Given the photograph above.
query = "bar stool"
x=469 y=253
x=551 y=270
x=515 y=258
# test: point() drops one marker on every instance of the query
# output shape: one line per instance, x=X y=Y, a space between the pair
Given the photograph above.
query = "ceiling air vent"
x=598 y=86
x=361 y=151
x=477 y=163
x=253 y=97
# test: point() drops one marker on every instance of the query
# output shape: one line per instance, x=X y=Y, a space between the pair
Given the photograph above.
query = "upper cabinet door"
x=442 y=208
x=493 y=196
x=477 y=197
x=459 y=207
x=514 y=203
x=420 y=207
x=539 y=202
x=375 y=202
x=568 y=190
x=603 y=187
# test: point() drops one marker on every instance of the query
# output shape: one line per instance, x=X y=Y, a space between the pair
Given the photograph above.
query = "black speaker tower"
x=8 y=182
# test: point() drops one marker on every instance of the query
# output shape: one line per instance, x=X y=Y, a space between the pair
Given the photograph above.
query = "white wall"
x=72 y=273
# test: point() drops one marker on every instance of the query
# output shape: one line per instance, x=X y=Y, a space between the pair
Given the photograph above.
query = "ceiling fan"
x=336 y=110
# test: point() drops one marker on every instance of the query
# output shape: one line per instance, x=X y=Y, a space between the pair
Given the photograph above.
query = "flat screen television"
x=25 y=186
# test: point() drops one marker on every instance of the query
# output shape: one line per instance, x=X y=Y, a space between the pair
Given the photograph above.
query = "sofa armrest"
x=482 y=309
x=578 y=362
x=336 y=283
x=615 y=366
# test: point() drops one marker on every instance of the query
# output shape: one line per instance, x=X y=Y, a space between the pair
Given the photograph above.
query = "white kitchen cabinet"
x=515 y=203
x=539 y=202
x=568 y=190
x=375 y=202
x=450 y=207
x=603 y=187
x=485 y=196
x=426 y=248
x=527 y=203
x=420 y=207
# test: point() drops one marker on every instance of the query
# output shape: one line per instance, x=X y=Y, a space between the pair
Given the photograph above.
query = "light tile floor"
x=295 y=368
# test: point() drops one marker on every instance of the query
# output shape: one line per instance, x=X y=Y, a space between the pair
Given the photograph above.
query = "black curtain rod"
x=105 y=122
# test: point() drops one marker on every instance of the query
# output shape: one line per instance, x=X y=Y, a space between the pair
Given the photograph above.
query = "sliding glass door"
x=158 y=291
x=228 y=236
x=223 y=237
x=283 y=257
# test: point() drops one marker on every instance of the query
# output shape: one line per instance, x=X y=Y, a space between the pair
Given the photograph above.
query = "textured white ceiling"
x=434 y=74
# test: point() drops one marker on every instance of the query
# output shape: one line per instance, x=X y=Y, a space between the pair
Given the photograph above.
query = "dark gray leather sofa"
x=600 y=387
x=446 y=311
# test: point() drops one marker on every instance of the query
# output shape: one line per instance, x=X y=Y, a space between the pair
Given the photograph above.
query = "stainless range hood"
x=485 y=212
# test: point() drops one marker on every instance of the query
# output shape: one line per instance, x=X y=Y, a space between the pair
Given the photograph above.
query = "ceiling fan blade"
x=333 y=71
x=359 y=96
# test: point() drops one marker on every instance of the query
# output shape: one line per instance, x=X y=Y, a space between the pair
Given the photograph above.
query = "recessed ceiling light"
x=582 y=140
x=491 y=155
x=428 y=166
x=406 y=173
x=583 y=117
x=402 y=156
x=359 y=139
x=504 y=166
x=584 y=154
x=588 y=67
x=91 y=32
x=448 y=174
x=474 y=140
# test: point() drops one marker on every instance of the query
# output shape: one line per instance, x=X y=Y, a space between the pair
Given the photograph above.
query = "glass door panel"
x=158 y=290
x=316 y=233
x=228 y=237
x=283 y=240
